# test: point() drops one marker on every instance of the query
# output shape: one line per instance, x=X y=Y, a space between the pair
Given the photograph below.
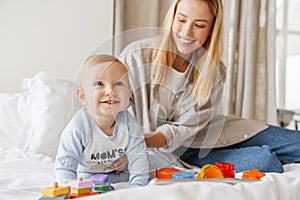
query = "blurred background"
x=262 y=46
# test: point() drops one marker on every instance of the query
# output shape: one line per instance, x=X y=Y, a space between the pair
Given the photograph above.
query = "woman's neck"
x=180 y=63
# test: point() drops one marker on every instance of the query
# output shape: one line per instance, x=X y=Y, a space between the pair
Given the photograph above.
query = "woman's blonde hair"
x=204 y=72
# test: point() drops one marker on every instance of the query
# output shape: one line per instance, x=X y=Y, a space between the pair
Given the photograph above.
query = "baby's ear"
x=130 y=93
x=81 y=96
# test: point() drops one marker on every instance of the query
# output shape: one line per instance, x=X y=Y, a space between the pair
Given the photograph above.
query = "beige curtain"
x=134 y=14
x=249 y=53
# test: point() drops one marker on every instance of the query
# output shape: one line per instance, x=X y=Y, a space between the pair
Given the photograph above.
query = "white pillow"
x=14 y=118
x=53 y=105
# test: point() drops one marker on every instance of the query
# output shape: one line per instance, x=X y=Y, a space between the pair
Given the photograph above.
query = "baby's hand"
x=120 y=164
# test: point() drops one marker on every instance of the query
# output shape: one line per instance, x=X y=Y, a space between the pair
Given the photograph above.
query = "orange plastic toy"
x=166 y=173
x=210 y=171
x=253 y=174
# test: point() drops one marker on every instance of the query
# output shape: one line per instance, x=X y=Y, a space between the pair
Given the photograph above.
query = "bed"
x=30 y=125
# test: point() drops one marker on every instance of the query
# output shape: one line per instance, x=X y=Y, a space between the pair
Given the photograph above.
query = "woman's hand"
x=155 y=140
x=120 y=164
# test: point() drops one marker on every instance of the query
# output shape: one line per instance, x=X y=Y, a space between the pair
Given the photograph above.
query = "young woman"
x=177 y=81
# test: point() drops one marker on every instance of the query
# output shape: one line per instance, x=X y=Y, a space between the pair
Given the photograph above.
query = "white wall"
x=52 y=36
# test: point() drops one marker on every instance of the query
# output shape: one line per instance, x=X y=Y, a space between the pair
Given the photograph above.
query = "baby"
x=103 y=130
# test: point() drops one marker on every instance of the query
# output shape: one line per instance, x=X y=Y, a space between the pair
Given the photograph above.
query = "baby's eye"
x=99 y=84
x=119 y=83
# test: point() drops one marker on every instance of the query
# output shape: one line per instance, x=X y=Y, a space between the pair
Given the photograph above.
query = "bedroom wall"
x=52 y=36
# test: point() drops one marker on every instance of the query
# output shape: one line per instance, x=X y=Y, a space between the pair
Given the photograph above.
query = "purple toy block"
x=100 y=178
x=79 y=184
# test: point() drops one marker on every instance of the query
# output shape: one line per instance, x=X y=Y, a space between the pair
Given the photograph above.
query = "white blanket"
x=22 y=176
x=30 y=127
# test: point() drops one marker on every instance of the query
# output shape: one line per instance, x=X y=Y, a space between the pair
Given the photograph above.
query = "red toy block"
x=227 y=169
x=74 y=196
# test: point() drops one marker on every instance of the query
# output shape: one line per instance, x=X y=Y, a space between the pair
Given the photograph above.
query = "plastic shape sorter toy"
x=80 y=188
x=80 y=183
x=55 y=190
x=102 y=187
x=100 y=178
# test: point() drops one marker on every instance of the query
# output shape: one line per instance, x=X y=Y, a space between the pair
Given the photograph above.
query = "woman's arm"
x=155 y=140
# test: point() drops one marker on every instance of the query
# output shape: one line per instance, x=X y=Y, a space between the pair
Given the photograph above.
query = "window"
x=288 y=54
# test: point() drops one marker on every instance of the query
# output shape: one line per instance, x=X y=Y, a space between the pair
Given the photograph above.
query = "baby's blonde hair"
x=96 y=60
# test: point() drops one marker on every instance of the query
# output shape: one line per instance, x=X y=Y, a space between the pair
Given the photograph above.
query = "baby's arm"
x=137 y=159
x=68 y=155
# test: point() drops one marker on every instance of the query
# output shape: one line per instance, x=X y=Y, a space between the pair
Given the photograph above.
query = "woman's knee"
x=246 y=158
x=261 y=158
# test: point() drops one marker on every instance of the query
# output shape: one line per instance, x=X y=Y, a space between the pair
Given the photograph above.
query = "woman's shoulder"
x=138 y=52
x=222 y=69
x=146 y=43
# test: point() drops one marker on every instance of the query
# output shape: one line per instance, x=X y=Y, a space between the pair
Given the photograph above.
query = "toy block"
x=253 y=174
x=166 y=173
x=80 y=183
x=74 y=196
x=227 y=169
x=62 y=197
x=183 y=175
x=102 y=187
x=100 y=178
x=80 y=191
x=55 y=190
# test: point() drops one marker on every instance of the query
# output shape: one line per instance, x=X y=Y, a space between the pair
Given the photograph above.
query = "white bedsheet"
x=273 y=186
x=23 y=175
x=31 y=121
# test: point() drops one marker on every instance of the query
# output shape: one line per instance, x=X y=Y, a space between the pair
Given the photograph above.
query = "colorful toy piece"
x=100 y=178
x=253 y=174
x=80 y=191
x=183 y=175
x=102 y=187
x=227 y=169
x=210 y=171
x=166 y=173
x=81 y=188
x=55 y=190
x=74 y=196
x=80 y=183
x=62 y=197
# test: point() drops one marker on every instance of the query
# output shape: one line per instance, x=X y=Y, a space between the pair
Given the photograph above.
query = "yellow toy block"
x=55 y=190
x=80 y=191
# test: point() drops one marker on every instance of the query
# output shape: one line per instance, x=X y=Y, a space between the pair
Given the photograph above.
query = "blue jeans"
x=266 y=151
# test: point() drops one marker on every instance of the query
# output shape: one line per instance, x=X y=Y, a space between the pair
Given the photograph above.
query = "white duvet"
x=22 y=176
x=30 y=126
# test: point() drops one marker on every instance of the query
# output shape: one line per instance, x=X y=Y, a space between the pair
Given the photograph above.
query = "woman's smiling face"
x=191 y=26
